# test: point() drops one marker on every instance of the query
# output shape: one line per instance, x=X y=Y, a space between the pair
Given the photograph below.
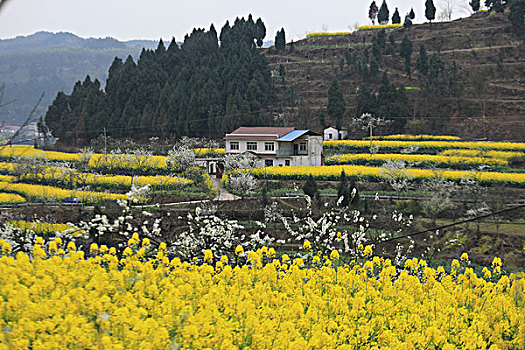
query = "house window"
x=269 y=146
x=251 y=146
x=330 y=136
x=234 y=146
x=268 y=162
x=287 y=162
x=302 y=146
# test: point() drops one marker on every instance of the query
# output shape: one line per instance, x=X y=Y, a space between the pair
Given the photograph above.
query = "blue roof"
x=292 y=135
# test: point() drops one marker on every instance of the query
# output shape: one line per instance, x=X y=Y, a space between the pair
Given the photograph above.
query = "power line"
x=451 y=225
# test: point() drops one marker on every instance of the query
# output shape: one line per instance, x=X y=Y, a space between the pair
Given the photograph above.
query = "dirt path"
x=222 y=193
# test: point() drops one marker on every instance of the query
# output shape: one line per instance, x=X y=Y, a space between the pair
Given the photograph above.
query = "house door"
x=220 y=170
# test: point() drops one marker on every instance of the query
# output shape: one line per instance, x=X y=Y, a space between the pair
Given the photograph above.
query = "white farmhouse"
x=332 y=133
x=277 y=146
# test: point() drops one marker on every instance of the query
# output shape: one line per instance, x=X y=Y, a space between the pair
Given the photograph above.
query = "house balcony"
x=290 y=153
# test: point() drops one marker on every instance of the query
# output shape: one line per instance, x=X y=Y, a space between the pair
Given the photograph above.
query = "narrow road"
x=222 y=193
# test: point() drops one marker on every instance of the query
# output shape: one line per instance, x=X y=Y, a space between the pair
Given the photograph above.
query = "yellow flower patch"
x=413 y=158
x=56 y=301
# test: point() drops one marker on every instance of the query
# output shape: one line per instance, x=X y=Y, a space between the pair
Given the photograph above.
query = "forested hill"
x=198 y=89
x=464 y=77
x=48 y=62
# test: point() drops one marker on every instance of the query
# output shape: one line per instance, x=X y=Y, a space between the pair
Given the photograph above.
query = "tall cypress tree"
x=396 y=19
x=406 y=52
x=430 y=10
x=384 y=15
x=475 y=5
x=372 y=12
x=412 y=15
x=280 y=40
x=336 y=104
x=422 y=61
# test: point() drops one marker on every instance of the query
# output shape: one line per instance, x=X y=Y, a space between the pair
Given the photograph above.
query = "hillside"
x=47 y=62
x=489 y=59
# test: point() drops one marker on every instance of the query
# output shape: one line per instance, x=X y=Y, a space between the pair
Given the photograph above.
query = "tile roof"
x=262 y=131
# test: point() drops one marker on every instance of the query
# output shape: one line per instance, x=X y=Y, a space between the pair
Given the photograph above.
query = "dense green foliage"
x=390 y=102
x=198 y=89
x=47 y=62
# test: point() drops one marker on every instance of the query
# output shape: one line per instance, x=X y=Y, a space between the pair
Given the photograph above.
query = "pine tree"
x=372 y=12
x=396 y=19
x=475 y=5
x=430 y=10
x=412 y=15
x=383 y=15
x=336 y=104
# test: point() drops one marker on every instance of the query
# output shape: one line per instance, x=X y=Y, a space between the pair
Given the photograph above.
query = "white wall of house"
x=242 y=146
x=332 y=133
x=304 y=151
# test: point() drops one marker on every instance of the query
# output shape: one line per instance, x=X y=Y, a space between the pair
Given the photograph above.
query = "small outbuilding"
x=331 y=134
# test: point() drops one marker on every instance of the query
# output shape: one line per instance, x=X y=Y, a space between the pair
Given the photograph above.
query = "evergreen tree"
x=343 y=190
x=383 y=15
x=396 y=19
x=374 y=68
x=422 y=61
x=175 y=91
x=499 y=6
x=408 y=22
x=280 y=40
x=475 y=5
x=260 y=32
x=430 y=10
x=310 y=187
x=322 y=119
x=406 y=52
x=516 y=15
x=412 y=15
x=372 y=12
x=336 y=104
x=381 y=39
x=376 y=51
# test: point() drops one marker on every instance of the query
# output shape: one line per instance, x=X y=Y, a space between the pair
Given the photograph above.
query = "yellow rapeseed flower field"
x=380 y=26
x=313 y=35
x=420 y=137
x=61 y=299
x=332 y=172
x=40 y=228
x=426 y=145
x=11 y=198
x=49 y=193
x=450 y=161
x=30 y=151
x=482 y=154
